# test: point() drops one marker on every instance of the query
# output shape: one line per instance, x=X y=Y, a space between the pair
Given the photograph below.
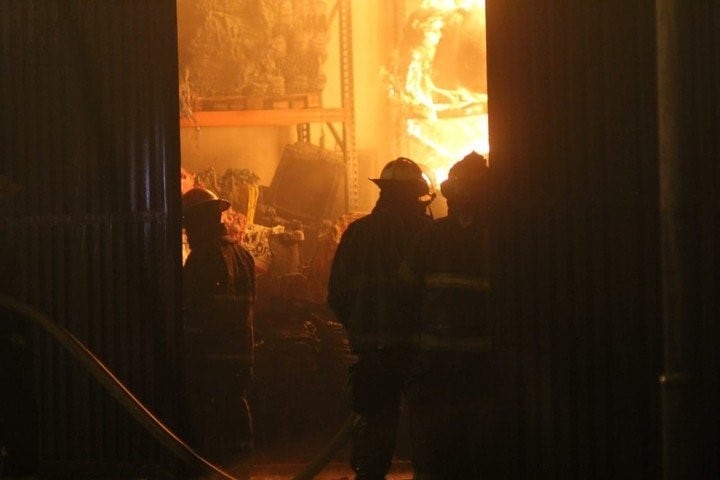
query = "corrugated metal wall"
x=689 y=127
x=572 y=91
x=90 y=133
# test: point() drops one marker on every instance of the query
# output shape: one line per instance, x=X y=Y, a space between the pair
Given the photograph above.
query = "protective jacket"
x=364 y=289
x=451 y=390
x=448 y=273
x=219 y=292
x=366 y=295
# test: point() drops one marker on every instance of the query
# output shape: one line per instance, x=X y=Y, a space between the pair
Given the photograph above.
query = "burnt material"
x=309 y=184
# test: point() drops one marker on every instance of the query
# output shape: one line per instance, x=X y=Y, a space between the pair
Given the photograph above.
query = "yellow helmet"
x=406 y=173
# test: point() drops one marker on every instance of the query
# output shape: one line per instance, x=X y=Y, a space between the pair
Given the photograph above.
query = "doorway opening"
x=288 y=107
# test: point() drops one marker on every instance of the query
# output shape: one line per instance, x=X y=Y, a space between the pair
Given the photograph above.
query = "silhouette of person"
x=451 y=388
x=364 y=293
x=218 y=298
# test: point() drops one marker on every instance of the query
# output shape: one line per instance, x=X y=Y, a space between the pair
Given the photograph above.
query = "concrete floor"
x=288 y=459
x=334 y=471
x=279 y=467
x=290 y=456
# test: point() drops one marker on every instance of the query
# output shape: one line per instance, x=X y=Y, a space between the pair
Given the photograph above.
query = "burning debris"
x=439 y=78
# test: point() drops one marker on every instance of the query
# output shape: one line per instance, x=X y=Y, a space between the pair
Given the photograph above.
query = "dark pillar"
x=688 y=119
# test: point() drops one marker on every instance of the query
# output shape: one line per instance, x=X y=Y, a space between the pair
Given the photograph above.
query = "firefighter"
x=451 y=389
x=218 y=298
x=363 y=291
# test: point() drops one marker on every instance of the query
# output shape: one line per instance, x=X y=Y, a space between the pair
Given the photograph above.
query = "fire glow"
x=446 y=121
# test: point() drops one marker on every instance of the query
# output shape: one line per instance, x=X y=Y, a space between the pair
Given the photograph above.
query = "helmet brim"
x=223 y=204
x=416 y=188
x=390 y=182
x=220 y=203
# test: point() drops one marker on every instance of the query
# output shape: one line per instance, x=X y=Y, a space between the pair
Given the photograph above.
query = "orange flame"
x=447 y=123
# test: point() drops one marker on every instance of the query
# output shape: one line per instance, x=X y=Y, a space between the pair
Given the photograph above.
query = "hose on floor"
x=343 y=435
x=138 y=411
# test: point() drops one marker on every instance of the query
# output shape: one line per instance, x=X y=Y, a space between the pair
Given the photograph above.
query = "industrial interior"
x=287 y=110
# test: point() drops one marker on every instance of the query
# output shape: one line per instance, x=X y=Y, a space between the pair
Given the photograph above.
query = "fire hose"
x=146 y=418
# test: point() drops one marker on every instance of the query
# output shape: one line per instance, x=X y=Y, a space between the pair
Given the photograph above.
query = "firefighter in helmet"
x=450 y=391
x=364 y=293
x=218 y=297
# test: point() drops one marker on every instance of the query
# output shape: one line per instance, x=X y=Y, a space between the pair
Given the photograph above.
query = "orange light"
x=446 y=122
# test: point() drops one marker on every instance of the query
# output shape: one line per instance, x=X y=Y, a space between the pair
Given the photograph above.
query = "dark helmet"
x=467 y=180
x=404 y=173
x=197 y=197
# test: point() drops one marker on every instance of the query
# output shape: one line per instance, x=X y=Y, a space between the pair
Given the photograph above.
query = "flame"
x=447 y=123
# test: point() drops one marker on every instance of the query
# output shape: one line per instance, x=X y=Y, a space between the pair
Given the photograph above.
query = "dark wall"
x=572 y=88
x=90 y=135
x=605 y=134
x=689 y=131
